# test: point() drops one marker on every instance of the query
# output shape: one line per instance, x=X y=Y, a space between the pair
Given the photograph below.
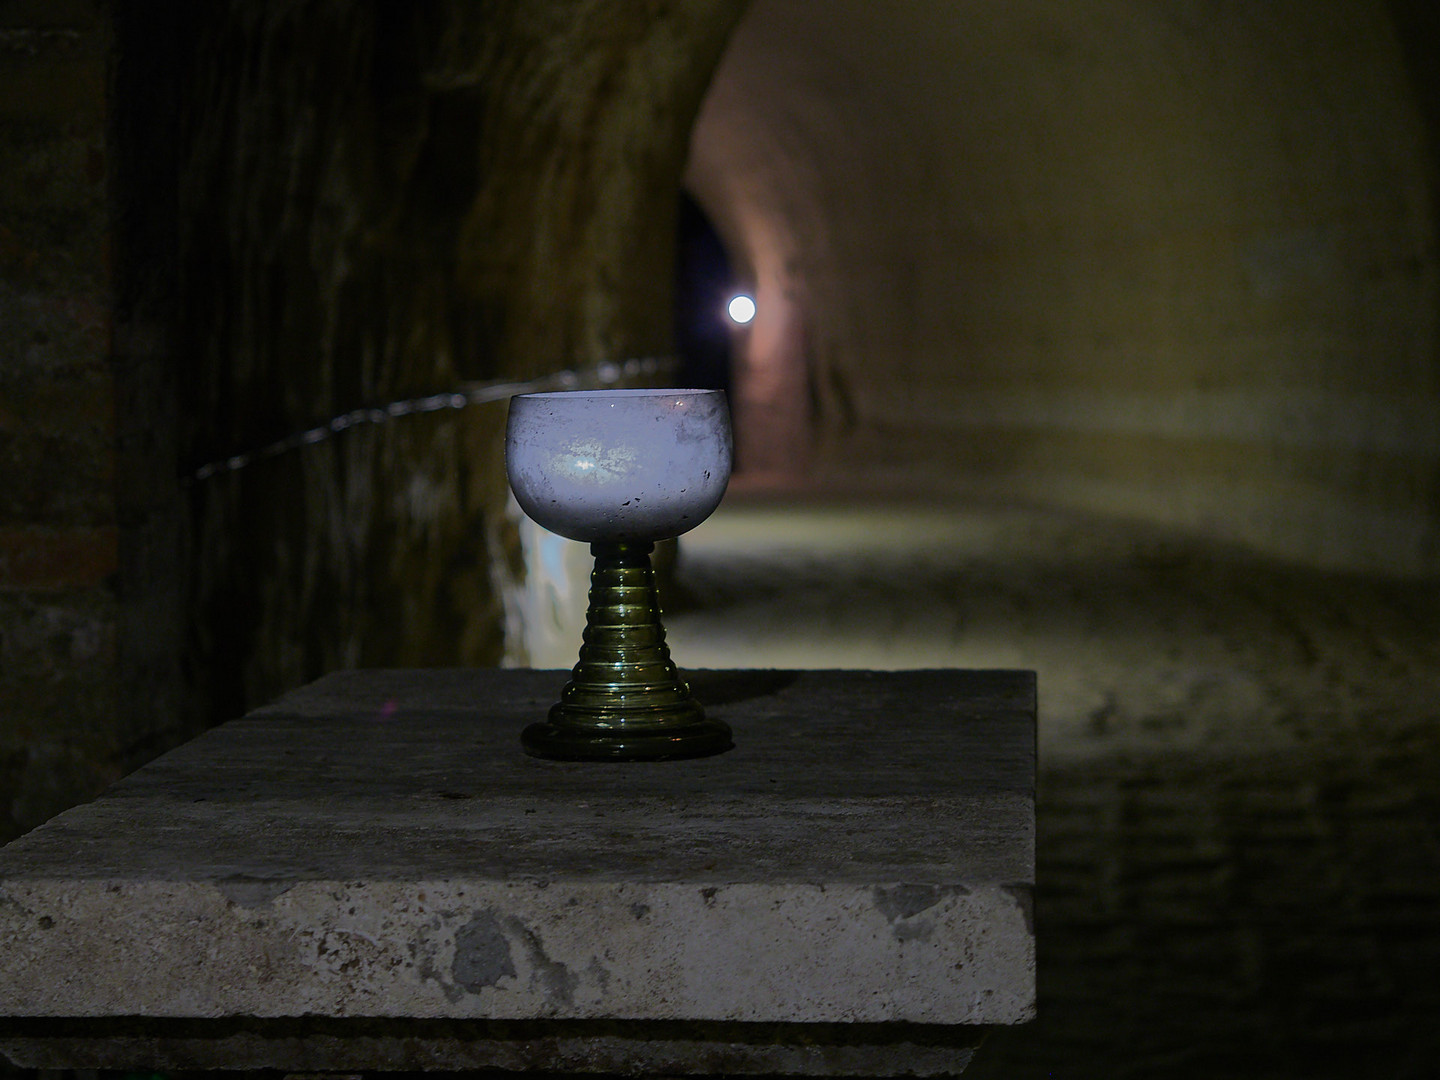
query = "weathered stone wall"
x=59 y=609
x=227 y=223
x=385 y=202
x=1167 y=260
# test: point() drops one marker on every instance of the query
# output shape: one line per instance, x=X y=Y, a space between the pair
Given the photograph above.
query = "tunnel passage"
x=1170 y=261
x=705 y=282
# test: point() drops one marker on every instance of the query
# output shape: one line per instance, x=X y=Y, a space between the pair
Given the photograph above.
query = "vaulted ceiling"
x=1174 y=260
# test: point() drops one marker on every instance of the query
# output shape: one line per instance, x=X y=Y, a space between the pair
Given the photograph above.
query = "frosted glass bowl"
x=619 y=466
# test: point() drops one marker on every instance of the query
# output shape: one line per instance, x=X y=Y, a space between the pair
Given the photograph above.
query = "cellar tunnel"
x=1174 y=262
x=1098 y=338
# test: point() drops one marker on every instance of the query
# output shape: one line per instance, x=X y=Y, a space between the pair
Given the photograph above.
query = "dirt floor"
x=1239 y=794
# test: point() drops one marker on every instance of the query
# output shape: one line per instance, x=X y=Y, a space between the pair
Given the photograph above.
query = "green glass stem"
x=625 y=700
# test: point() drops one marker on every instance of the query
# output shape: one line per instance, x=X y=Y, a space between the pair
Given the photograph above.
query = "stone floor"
x=1239 y=816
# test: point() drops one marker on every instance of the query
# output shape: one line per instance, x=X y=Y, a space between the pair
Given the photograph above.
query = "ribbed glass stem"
x=625 y=699
x=625 y=672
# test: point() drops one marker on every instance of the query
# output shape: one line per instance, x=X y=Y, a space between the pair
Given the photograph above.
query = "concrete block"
x=375 y=850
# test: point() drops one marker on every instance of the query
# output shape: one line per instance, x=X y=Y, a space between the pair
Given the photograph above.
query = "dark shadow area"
x=728 y=687
x=704 y=282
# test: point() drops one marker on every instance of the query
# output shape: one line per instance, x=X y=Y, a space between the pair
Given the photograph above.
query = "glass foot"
x=678 y=738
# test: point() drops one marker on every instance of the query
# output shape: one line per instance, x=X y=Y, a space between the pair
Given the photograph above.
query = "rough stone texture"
x=377 y=845
x=225 y=223
x=382 y=203
x=1170 y=260
x=59 y=546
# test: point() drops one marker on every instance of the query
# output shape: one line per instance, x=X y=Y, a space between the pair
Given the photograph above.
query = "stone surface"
x=376 y=845
x=61 y=518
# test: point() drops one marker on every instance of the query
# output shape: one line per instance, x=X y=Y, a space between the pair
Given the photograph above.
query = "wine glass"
x=621 y=469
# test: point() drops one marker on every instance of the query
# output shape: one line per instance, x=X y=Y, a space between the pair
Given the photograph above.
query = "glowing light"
x=741 y=309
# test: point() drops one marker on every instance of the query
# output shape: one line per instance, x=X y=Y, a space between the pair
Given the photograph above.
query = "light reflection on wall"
x=741 y=309
x=772 y=406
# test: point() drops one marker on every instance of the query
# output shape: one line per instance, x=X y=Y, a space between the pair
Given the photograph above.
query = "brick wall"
x=59 y=546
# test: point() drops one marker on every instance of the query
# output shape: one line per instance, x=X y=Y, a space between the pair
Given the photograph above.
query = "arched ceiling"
x=1171 y=259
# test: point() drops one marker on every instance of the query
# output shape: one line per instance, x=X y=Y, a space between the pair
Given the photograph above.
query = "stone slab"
x=375 y=847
